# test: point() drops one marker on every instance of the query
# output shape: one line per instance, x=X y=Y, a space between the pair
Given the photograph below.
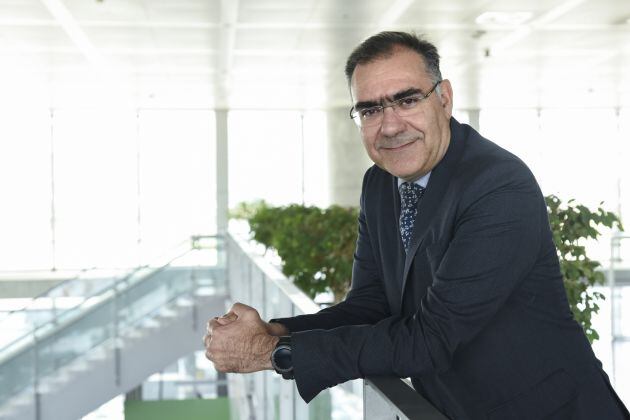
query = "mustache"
x=397 y=141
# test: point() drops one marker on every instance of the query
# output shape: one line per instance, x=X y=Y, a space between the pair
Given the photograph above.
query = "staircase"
x=111 y=342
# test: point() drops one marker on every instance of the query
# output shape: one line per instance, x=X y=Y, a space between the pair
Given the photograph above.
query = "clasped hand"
x=240 y=341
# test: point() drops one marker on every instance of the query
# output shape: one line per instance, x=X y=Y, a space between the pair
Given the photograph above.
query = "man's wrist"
x=277 y=329
x=269 y=346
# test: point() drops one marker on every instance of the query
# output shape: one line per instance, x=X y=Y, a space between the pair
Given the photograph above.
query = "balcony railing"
x=254 y=280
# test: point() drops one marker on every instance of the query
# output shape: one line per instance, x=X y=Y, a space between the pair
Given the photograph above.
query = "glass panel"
x=583 y=166
x=265 y=149
x=54 y=303
x=499 y=125
x=177 y=178
x=18 y=375
x=110 y=311
x=25 y=188
x=83 y=331
x=622 y=371
x=274 y=397
x=95 y=188
x=98 y=218
x=623 y=158
x=461 y=115
x=316 y=173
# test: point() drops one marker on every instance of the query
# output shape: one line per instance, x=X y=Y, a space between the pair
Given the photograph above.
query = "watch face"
x=282 y=359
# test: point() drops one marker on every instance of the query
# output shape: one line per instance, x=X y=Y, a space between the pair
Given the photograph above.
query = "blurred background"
x=129 y=126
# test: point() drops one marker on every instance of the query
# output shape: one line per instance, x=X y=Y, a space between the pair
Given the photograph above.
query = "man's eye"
x=409 y=102
x=369 y=112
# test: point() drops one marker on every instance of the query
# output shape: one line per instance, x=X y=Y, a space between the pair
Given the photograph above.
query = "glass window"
x=96 y=182
x=581 y=162
x=623 y=159
x=462 y=116
x=316 y=172
x=177 y=177
x=267 y=150
x=577 y=145
x=127 y=185
x=516 y=130
x=25 y=190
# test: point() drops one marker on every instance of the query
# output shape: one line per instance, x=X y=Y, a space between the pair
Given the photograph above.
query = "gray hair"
x=383 y=45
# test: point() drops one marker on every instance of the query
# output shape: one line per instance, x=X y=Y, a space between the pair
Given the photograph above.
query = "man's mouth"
x=398 y=145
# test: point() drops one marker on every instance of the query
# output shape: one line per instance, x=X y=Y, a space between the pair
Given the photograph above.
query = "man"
x=456 y=281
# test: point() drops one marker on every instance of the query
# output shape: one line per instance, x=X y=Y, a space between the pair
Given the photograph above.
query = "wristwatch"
x=281 y=357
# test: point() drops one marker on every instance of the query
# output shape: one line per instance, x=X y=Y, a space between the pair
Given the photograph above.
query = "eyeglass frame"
x=393 y=104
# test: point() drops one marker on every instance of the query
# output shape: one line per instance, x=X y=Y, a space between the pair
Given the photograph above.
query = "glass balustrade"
x=100 y=310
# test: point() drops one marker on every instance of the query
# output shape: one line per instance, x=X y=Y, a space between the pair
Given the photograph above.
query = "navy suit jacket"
x=475 y=313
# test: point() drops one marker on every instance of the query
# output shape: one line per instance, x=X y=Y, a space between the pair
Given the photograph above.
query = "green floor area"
x=215 y=409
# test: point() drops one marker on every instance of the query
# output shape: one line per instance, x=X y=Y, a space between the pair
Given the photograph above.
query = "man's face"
x=406 y=147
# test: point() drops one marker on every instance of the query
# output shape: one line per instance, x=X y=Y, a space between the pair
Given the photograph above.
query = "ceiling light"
x=503 y=18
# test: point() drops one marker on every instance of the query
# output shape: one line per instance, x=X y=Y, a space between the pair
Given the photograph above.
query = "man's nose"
x=392 y=123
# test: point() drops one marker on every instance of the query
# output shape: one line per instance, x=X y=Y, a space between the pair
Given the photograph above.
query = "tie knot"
x=410 y=193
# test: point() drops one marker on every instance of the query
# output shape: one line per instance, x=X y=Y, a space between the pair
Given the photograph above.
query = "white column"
x=221 y=116
x=347 y=159
x=473 y=118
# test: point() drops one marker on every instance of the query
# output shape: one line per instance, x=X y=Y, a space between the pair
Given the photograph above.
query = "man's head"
x=409 y=137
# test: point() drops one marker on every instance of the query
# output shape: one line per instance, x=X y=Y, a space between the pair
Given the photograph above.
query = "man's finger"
x=242 y=310
x=208 y=326
x=227 y=318
x=206 y=340
x=212 y=323
x=230 y=315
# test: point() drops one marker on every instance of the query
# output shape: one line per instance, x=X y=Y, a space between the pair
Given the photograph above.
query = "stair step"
x=206 y=291
x=167 y=313
x=184 y=302
x=151 y=323
x=99 y=353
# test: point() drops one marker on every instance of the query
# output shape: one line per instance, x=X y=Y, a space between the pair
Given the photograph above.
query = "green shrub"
x=316 y=245
x=572 y=224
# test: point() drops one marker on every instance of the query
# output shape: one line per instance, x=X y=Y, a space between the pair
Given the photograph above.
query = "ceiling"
x=290 y=53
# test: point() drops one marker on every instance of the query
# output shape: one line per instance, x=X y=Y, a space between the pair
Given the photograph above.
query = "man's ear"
x=446 y=96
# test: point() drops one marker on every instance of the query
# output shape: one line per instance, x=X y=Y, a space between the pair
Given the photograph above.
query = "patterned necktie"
x=410 y=193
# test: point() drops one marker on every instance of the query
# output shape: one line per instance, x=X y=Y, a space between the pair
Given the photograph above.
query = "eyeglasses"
x=403 y=107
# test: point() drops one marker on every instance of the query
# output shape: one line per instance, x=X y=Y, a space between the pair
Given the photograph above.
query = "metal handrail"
x=124 y=280
x=57 y=317
x=401 y=399
x=48 y=291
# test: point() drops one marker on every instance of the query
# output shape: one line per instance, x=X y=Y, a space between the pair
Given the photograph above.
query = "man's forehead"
x=384 y=77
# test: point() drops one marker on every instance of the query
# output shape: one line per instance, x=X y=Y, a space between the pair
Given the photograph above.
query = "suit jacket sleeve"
x=495 y=241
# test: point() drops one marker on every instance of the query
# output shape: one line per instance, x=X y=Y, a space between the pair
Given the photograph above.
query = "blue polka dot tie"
x=410 y=193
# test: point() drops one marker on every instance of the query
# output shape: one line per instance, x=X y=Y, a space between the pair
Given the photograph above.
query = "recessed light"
x=503 y=18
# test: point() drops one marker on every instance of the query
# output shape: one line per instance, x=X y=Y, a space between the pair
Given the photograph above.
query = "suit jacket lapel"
x=397 y=249
x=432 y=197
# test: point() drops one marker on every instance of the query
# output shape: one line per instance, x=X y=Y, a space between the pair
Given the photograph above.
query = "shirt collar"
x=423 y=181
